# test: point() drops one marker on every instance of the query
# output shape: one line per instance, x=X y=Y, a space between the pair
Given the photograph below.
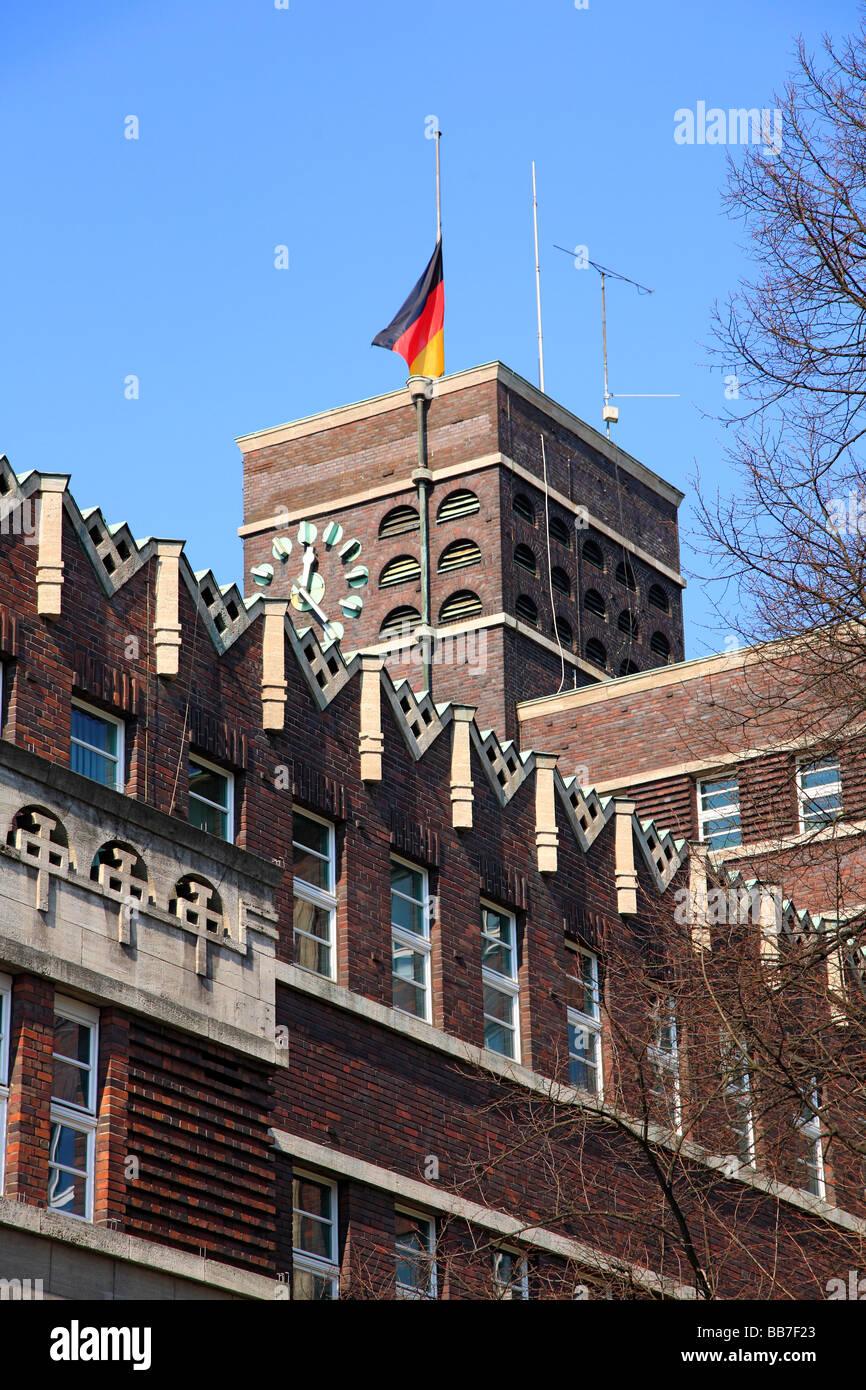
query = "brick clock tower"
x=523 y=578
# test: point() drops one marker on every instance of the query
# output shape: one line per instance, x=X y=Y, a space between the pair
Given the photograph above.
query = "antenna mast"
x=537 y=283
x=610 y=413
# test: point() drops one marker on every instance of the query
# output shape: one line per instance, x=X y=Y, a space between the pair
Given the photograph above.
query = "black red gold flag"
x=416 y=331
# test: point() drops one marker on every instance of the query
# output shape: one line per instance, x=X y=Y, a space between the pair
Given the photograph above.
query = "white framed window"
x=315 y=1254
x=584 y=1025
x=97 y=746
x=811 y=1162
x=415 y=1249
x=211 y=798
x=501 y=991
x=663 y=1057
x=738 y=1097
x=5 y=1021
x=510 y=1274
x=410 y=939
x=73 y=1109
x=719 y=813
x=819 y=792
x=315 y=905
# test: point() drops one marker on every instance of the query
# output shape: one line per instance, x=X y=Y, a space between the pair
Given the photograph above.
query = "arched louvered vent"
x=628 y=668
x=399 y=522
x=658 y=598
x=596 y=653
x=400 y=621
x=627 y=623
x=459 y=555
x=524 y=557
x=523 y=508
x=564 y=633
x=560 y=580
x=403 y=570
x=458 y=504
x=594 y=603
x=526 y=610
x=559 y=532
x=593 y=554
x=460 y=606
x=660 y=645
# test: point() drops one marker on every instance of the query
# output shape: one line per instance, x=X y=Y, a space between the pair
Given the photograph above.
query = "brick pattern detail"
x=198 y=1123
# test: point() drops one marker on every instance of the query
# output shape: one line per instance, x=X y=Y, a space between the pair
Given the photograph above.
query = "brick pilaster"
x=30 y=1070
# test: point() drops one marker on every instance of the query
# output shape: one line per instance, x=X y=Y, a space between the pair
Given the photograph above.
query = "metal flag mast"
x=438 y=190
x=610 y=413
x=420 y=391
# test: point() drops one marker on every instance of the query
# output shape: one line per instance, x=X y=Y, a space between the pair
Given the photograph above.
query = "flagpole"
x=537 y=282
x=438 y=190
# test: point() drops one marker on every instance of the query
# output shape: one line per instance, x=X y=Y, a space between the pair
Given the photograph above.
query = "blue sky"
x=305 y=127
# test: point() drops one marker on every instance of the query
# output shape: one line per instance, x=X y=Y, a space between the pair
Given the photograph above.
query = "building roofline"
x=623 y=686
x=462 y=381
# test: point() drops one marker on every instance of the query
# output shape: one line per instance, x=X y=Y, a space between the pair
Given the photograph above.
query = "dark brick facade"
x=197 y=1141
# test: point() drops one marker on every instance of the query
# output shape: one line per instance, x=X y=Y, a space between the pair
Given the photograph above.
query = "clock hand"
x=314 y=608
x=309 y=560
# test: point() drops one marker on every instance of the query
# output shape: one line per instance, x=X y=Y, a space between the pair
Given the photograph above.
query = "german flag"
x=417 y=330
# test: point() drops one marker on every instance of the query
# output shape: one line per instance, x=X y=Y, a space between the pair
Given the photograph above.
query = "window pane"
x=582 y=990
x=71 y=1039
x=311 y=955
x=67 y=1192
x=313 y=1217
x=409 y=993
x=497 y=945
x=308 y=1285
x=310 y=833
x=99 y=733
x=408 y=915
x=208 y=818
x=71 y=1084
x=498 y=1005
x=498 y=1038
x=716 y=794
x=213 y=786
x=408 y=881
x=312 y=869
x=583 y=1049
x=413 y=1252
x=68 y=1147
x=509 y=1273
x=316 y=921
x=820 y=774
x=93 y=765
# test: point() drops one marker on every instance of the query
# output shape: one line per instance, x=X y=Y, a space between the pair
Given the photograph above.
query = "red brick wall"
x=28 y=1125
x=198 y=1125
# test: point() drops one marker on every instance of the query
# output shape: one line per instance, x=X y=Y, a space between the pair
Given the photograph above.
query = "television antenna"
x=610 y=413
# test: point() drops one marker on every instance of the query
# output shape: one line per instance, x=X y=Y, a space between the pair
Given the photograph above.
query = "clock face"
x=308 y=591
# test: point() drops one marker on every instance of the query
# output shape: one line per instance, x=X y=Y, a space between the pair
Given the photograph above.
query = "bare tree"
x=791 y=537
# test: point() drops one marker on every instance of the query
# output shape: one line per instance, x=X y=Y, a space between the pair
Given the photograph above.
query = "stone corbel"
x=698 y=919
x=166 y=627
x=49 y=560
x=274 y=683
x=371 y=742
x=770 y=920
x=546 y=837
x=625 y=873
x=462 y=795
